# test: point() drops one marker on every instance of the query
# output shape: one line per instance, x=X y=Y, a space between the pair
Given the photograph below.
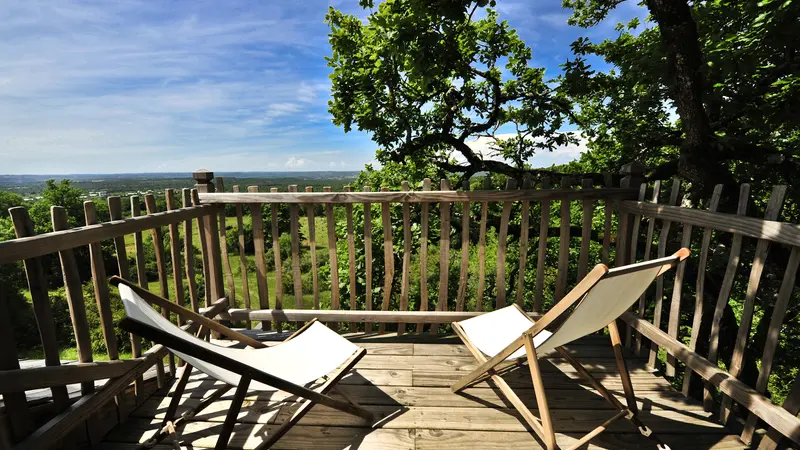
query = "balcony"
x=401 y=316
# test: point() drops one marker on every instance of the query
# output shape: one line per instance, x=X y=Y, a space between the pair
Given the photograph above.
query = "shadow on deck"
x=406 y=382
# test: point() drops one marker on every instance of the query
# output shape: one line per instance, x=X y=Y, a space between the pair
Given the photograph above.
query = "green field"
x=236 y=269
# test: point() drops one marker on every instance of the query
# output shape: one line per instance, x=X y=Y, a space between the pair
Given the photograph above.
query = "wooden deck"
x=405 y=382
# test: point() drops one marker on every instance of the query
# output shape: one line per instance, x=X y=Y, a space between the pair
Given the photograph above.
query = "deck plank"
x=406 y=382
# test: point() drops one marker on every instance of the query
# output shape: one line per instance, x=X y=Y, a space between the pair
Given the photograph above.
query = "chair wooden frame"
x=248 y=373
x=543 y=426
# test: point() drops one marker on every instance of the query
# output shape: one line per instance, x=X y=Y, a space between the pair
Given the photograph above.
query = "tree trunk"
x=679 y=37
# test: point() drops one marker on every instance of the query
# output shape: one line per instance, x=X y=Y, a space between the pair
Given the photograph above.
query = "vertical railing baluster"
x=188 y=252
x=312 y=241
x=158 y=247
x=406 y=274
x=75 y=300
x=524 y=237
x=388 y=258
x=423 y=254
x=444 y=254
x=351 y=257
x=223 y=249
x=502 y=243
x=544 y=230
x=759 y=257
x=37 y=284
x=141 y=272
x=368 y=259
x=294 y=229
x=663 y=238
x=333 y=261
x=463 y=273
x=261 y=267
x=563 y=243
x=115 y=213
x=276 y=253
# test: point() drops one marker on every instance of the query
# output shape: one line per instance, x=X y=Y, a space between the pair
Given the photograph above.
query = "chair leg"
x=233 y=413
x=177 y=394
x=538 y=388
x=624 y=375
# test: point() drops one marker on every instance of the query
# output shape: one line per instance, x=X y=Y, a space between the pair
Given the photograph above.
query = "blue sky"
x=150 y=86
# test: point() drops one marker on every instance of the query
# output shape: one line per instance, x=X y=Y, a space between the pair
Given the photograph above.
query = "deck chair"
x=312 y=353
x=509 y=335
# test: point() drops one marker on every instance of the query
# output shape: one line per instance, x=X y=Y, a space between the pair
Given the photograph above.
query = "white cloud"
x=486 y=147
x=295 y=163
x=134 y=85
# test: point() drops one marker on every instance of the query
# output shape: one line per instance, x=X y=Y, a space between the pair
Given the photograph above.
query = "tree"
x=730 y=70
x=9 y=200
x=424 y=77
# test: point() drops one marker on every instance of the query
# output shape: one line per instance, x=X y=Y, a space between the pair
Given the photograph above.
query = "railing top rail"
x=780 y=232
x=418 y=196
x=43 y=244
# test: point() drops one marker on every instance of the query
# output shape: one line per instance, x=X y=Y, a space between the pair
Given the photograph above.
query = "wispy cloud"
x=90 y=86
x=140 y=85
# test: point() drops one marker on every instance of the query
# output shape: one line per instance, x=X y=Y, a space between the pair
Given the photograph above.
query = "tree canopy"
x=423 y=77
x=704 y=90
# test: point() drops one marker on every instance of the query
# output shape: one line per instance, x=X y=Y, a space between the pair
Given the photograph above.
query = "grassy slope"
x=288 y=297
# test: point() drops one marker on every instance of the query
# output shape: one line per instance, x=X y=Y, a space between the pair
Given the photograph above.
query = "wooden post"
x=544 y=228
x=724 y=294
x=312 y=243
x=294 y=225
x=487 y=185
x=75 y=301
x=388 y=258
x=647 y=250
x=351 y=257
x=41 y=302
x=632 y=176
x=743 y=335
x=332 y=258
x=605 y=255
x=406 y=274
x=115 y=213
x=626 y=242
x=216 y=290
x=261 y=267
x=464 y=270
x=663 y=238
x=368 y=259
x=223 y=248
x=444 y=254
x=103 y=299
x=563 y=244
x=188 y=253
x=423 y=254
x=527 y=183
x=276 y=253
x=502 y=242
x=242 y=256
x=16 y=404
x=141 y=273
x=175 y=253
x=586 y=230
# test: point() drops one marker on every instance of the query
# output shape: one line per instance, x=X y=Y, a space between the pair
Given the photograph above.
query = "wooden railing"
x=682 y=348
x=393 y=306
x=63 y=412
x=379 y=273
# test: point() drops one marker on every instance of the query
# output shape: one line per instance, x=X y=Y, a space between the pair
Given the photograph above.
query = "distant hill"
x=35 y=178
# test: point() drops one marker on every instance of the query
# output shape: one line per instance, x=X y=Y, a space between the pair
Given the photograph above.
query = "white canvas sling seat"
x=312 y=353
x=596 y=302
